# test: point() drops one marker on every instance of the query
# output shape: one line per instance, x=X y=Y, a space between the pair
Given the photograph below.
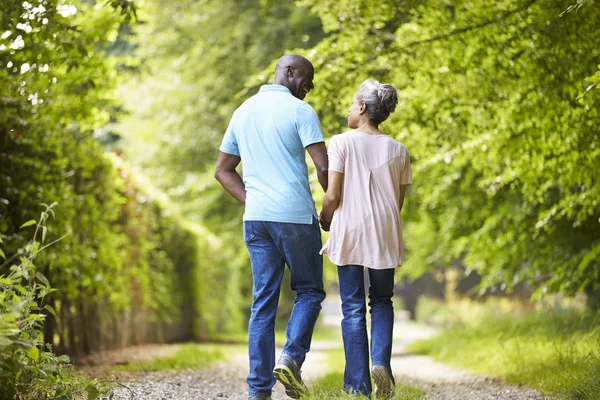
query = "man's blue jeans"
x=271 y=245
x=357 y=375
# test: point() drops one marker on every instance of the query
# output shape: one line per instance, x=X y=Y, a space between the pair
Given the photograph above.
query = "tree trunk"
x=593 y=298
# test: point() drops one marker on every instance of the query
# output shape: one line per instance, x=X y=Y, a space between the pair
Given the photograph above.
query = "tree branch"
x=462 y=30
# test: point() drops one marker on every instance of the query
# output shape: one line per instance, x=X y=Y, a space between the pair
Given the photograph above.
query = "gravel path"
x=227 y=380
x=442 y=382
x=224 y=380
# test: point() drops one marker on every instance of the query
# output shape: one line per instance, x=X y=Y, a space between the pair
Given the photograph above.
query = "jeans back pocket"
x=295 y=232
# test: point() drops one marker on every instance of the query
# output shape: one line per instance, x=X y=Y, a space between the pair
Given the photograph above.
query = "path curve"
x=227 y=380
x=441 y=381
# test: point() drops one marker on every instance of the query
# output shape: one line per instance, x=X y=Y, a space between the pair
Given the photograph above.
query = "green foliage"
x=558 y=352
x=28 y=368
x=503 y=153
x=46 y=148
x=58 y=98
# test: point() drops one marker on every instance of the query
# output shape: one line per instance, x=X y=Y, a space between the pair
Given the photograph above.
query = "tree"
x=504 y=155
x=58 y=92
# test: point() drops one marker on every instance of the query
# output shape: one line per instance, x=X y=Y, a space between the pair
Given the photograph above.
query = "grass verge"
x=191 y=355
x=558 y=352
x=330 y=387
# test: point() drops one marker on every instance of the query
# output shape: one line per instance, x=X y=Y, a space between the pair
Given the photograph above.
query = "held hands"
x=325 y=225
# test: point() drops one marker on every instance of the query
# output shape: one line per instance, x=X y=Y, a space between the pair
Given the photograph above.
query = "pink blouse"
x=366 y=228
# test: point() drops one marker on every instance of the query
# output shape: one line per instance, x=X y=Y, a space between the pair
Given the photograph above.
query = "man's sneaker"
x=287 y=372
x=259 y=397
x=384 y=381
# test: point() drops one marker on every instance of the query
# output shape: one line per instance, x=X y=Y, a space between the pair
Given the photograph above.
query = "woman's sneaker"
x=287 y=372
x=384 y=381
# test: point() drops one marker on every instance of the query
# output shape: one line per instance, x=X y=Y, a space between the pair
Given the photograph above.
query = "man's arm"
x=318 y=153
x=331 y=200
x=228 y=177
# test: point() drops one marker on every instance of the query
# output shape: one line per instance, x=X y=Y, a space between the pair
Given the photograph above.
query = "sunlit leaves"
x=28 y=223
x=503 y=154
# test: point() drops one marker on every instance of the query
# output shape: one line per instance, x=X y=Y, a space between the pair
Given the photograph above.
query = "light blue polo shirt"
x=270 y=132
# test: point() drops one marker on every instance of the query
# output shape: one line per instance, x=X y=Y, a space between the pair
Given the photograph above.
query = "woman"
x=368 y=174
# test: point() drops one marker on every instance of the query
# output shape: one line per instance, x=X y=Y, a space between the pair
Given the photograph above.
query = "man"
x=269 y=134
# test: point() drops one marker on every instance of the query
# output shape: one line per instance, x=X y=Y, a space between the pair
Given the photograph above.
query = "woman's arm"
x=402 y=191
x=331 y=200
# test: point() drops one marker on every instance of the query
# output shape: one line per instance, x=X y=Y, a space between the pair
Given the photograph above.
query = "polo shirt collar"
x=277 y=88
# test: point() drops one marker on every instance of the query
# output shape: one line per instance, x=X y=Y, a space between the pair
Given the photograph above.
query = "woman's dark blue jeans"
x=357 y=375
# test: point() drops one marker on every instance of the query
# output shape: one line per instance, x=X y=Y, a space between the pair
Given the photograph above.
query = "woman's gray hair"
x=380 y=99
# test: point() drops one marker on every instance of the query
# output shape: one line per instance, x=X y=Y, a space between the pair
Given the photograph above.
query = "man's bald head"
x=292 y=60
x=296 y=73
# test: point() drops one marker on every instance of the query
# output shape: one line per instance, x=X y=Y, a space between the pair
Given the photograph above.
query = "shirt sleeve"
x=406 y=177
x=229 y=144
x=308 y=125
x=336 y=156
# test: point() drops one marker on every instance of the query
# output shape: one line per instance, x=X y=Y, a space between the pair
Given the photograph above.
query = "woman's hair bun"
x=388 y=97
x=381 y=99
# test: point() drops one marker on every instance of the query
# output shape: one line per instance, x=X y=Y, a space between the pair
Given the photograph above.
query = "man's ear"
x=289 y=71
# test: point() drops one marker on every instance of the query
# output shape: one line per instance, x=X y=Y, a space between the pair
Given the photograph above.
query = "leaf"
x=42 y=278
x=4 y=342
x=2 y=254
x=34 y=353
x=24 y=345
x=28 y=223
x=64 y=358
x=44 y=231
x=50 y=309
x=92 y=392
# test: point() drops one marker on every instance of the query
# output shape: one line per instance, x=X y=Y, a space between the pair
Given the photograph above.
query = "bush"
x=28 y=368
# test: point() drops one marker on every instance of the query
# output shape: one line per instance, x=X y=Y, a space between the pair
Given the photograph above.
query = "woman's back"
x=366 y=227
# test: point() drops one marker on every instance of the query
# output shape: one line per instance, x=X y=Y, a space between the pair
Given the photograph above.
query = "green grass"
x=558 y=352
x=191 y=355
x=327 y=334
x=201 y=355
x=321 y=333
x=330 y=387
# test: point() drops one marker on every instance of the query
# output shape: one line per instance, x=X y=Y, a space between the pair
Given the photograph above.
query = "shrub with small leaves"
x=28 y=368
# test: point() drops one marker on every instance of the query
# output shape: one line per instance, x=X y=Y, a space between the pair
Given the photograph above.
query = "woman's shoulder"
x=342 y=137
x=397 y=145
x=345 y=135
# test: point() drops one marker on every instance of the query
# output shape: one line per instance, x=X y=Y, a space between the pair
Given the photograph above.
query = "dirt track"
x=227 y=380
